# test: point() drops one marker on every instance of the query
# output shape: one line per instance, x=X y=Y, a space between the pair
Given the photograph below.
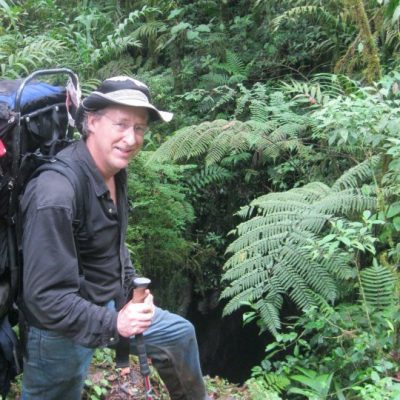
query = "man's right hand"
x=135 y=318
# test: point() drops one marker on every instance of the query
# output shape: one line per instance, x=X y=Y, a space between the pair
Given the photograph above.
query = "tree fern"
x=212 y=140
x=271 y=255
x=275 y=131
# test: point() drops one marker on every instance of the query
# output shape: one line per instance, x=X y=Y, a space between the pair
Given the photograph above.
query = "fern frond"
x=215 y=140
x=269 y=314
x=234 y=64
x=354 y=176
x=231 y=139
x=209 y=175
x=115 y=46
x=31 y=55
x=234 y=270
x=214 y=79
x=286 y=276
x=238 y=298
x=345 y=202
x=222 y=95
x=301 y=11
x=318 y=279
x=149 y=30
x=123 y=66
x=272 y=249
x=377 y=285
x=338 y=265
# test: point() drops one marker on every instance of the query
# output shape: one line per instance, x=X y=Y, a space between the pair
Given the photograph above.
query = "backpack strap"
x=78 y=180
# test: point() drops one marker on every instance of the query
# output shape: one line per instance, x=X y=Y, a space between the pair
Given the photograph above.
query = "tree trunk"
x=369 y=52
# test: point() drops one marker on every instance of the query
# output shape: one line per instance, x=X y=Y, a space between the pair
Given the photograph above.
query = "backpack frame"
x=36 y=121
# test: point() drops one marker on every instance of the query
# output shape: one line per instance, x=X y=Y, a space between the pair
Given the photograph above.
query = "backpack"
x=36 y=122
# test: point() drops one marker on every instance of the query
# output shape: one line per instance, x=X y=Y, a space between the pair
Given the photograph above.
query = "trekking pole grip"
x=140 y=285
x=139 y=293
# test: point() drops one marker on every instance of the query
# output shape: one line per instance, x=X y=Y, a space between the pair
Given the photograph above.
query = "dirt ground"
x=130 y=386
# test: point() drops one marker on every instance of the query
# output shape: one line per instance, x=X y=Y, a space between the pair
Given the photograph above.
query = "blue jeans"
x=56 y=367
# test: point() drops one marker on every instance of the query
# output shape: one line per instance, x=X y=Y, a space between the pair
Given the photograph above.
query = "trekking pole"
x=140 y=285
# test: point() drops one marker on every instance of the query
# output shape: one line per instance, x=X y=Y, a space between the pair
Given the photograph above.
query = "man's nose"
x=130 y=136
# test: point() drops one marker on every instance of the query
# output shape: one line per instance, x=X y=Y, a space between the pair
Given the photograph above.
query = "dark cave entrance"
x=227 y=348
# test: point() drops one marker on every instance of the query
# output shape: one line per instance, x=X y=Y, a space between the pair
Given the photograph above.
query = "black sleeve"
x=51 y=273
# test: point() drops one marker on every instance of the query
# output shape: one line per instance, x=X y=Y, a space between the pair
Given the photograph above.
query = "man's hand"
x=135 y=318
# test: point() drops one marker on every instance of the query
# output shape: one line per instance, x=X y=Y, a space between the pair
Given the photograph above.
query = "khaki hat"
x=121 y=90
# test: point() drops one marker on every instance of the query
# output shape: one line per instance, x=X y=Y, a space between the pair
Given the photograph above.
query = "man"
x=72 y=278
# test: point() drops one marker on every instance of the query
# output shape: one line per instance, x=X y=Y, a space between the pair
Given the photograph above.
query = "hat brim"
x=130 y=98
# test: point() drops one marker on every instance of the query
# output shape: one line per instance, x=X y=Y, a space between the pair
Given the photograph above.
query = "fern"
x=123 y=66
x=359 y=173
x=256 y=95
x=301 y=11
x=214 y=140
x=118 y=42
x=377 y=286
x=30 y=55
x=215 y=79
x=229 y=73
x=266 y=386
x=207 y=176
x=270 y=257
x=217 y=140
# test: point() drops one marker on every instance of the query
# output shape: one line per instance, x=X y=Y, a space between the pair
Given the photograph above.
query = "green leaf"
x=346 y=241
x=394 y=209
x=375 y=376
x=396 y=14
x=203 y=28
x=328 y=238
x=396 y=223
x=98 y=390
x=180 y=27
x=192 y=35
x=175 y=13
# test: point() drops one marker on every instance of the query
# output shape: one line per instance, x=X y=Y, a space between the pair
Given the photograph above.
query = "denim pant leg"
x=55 y=367
x=172 y=346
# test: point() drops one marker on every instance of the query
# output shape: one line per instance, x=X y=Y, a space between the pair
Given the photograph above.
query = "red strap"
x=3 y=149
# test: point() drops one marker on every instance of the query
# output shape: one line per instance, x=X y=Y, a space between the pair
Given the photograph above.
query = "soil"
x=123 y=385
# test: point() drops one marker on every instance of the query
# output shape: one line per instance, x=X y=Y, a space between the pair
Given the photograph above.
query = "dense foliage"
x=277 y=181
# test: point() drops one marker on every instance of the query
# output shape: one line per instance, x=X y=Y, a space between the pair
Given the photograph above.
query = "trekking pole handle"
x=140 y=285
x=139 y=294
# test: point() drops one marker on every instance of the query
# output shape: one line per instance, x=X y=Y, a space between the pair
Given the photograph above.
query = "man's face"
x=115 y=136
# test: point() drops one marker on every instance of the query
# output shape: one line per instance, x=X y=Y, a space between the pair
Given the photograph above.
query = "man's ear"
x=92 y=118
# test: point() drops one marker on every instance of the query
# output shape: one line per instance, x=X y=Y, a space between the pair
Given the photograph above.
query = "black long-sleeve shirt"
x=57 y=294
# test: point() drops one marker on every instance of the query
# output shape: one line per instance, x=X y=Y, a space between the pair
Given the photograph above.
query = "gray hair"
x=85 y=127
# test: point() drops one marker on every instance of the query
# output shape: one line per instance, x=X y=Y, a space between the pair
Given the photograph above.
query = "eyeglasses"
x=123 y=127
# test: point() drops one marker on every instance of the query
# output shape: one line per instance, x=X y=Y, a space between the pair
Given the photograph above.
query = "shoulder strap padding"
x=77 y=178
